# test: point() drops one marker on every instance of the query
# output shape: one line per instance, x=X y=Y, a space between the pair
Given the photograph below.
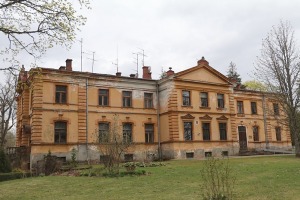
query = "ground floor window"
x=149 y=133
x=278 y=133
x=206 y=131
x=255 y=133
x=60 y=132
x=223 y=131
x=127 y=132
x=188 y=135
x=103 y=132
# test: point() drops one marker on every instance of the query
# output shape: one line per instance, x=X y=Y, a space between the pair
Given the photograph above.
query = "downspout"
x=265 y=120
x=87 y=117
x=158 y=122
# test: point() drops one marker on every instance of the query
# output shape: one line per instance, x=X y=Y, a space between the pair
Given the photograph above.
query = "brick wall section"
x=82 y=113
x=37 y=105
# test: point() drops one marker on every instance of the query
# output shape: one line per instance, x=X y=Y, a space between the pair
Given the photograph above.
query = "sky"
x=173 y=33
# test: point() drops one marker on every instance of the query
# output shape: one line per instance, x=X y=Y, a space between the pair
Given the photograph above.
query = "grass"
x=263 y=178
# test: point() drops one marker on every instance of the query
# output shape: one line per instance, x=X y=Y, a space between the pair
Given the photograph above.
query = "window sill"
x=205 y=108
x=184 y=106
x=108 y=106
x=220 y=108
x=240 y=115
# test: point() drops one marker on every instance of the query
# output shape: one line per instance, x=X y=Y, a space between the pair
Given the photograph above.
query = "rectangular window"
x=103 y=132
x=148 y=100
x=186 y=99
x=60 y=132
x=188 y=134
x=240 y=107
x=223 y=131
x=61 y=94
x=149 y=133
x=204 y=99
x=206 y=131
x=127 y=133
x=103 y=97
x=220 y=100
x=127 y=98
x=255 y=133
x=253 y=108
x=276 y=108
x=278 y=133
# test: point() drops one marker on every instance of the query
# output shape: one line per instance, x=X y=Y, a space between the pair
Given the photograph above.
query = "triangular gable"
x=204 y=73
x=206 y=117
x=223 y=117
x=188 y=116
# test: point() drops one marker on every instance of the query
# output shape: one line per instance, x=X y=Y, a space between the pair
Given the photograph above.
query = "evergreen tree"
x=232 y=73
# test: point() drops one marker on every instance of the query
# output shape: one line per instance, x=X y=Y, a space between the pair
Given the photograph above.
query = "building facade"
x=190 y=114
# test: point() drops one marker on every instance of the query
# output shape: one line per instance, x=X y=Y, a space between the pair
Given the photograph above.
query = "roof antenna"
x=117 y=60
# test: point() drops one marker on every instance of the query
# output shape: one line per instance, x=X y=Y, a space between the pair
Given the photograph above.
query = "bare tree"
x=113 y=144
x=278 y=67
x=35 y=26
x=7 y=107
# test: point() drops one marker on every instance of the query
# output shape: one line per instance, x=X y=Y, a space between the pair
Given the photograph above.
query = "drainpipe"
x=265 y=120
x=87 y=117
x=158 y=123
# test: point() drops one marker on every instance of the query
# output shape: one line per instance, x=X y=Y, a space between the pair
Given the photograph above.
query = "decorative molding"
x=223 y=117
x=188 y=116
x=206 y=117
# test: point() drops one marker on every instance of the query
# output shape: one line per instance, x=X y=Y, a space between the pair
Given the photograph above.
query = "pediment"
x=203 y=74
x=188 y=116
x=223 y=117
x=206 y=117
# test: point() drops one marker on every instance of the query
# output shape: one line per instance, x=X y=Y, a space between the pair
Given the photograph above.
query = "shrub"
x=218 y=179
x=4 y=162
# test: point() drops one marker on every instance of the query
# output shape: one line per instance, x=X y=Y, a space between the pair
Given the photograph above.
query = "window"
x=189 y=154
x=278 y=133
x=206 y=131
x=103 y=132
x=148 y=100
x=61 y=94
x=255 y=133
x=276 y=108
x=220 y=100
x=204 y=99
x=223 y=131
x=60 y=132
x=127 y=99
x=253 y=108
x=186 y=98
x=103 y=97
x=149 y=133
x=240 y=107
x=127 y=133
x=188 y=136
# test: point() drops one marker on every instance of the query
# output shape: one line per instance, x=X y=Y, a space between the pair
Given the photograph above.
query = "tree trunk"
x=297 y=146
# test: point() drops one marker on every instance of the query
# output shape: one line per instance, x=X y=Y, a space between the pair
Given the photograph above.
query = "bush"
x=218 y=179
x=14 y=175
x=4 y=162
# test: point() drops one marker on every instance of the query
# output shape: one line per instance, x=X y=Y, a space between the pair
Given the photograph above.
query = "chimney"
x=170 y=72
x=202 y=61
x=69 y=64
x=118 y=74
x=62 y=68
x=146 y=72
x=132 y=75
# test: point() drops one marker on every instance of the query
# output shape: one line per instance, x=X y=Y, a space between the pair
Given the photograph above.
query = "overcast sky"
x=174 y=33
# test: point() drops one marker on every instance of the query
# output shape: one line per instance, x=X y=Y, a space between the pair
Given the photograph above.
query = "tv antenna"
x=117 y=60
x=137 y=63
x=143 y=56
x=93 y=60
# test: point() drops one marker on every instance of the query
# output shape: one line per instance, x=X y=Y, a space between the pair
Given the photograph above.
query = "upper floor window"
x=103 y=97
x=278 y=133
x=148 y=100
x=61 y=94
x=276 y=108
x=223 y=131
x=255 y=133
x=149 y=133
x=127 y=98
x=186 y=98
x=127 y=132
x=240 y=107
x=204 y=99
x=188 y=134
x=60 y=132
x=206 y=131
x=220 y=100
x=253 y=108
x=103 y=132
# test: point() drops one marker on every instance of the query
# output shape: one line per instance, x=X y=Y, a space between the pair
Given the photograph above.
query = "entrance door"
x=242 y=138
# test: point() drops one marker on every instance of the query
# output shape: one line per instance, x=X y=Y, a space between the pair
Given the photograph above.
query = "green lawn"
x=260 y=178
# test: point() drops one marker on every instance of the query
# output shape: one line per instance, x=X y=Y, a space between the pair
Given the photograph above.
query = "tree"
x=232 y=74
x=278 y=68
x=113 y=144
x=255 y=85
x=35 y=26
x=7 y=107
